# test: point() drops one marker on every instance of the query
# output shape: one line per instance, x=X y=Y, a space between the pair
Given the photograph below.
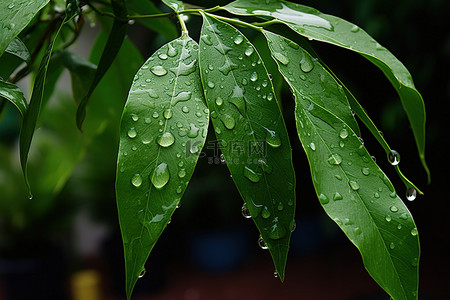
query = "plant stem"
x=184 y=30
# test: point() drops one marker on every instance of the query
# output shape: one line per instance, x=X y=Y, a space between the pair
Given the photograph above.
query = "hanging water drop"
x=142 y=273
x=394 y=157
x=160 y=176
x=272 y=138
x=254 y=76
x=411 y=194
x=306 y=64
x=167 y=114
x=265 y=212
x=245 y=211
x=261 y=243
x=337 y=196
x=275 y=274
x=414 y=232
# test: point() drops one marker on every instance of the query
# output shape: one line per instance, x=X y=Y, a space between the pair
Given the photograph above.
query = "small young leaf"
x=315 y=25
x=18 y=48
x=14 y=17
x=13 y=93
x=251 y=130
x=356 y=194
x=163 y=130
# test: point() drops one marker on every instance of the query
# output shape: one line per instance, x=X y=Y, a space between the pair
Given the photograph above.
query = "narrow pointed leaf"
x=357 y=195
x=248 y=121
x=14 y=17
x=18 y=48
x=115 y=40
x=15 y=95
x=313 y=24
x=163 y=130
x=30 y=117
x=176 y=5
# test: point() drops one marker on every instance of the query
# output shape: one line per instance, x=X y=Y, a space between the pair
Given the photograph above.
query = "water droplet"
x=152 y=93
x=280 y=206
x=167 y=114
x=219 y=101
x=323 y=199
x=249 y=51
x=404 y=216
x=30 y=196
x=158 y=70
x=193 y=131
x=237 y=99
x=392 y=245
x=376 y=195
x=388 y=218
x=272 y=138
x=227 y=67
x=335 y=159
x=344 y=133
x=251 y=175
x=172 y=51
x=182 y=173
x=185 y=109
x=160 y=176
x=238 y=39
x=206 y=39
x=261 y=243
x=132 y=132
x=179 y=190
x=245 y=211
x=10 y=6
x=275 y=274
x=365 y=171
x=136 y=180
x=211 y=84
x=312 y=146
x=291 y=202
x=244 y=81
x=166 y=139
x=134 y=117
x=281 y=58
x=414 y=232
x=411 y=194
x=163 y=56
x=354 y=28
x=254 y=76
x=222 y=158
x=354 y=185
x=294 y=226
x=414 y=262
x=267 y=168
x=337 y=196
x=142 y=273
x=306 y=64
x=265 y=212
x=394 y=157
x=394 y=208
x=228 y=121
x=222 y=48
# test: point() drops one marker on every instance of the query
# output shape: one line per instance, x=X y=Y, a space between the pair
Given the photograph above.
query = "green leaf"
x=355 y=193
x=315 y=25
x=160 y=25
x=250 y=126
x=176 y=5
x=18 y=48
x=15 y=95
x=14 y=17
x=30 y=117
x=163 y=129
x=115 y=40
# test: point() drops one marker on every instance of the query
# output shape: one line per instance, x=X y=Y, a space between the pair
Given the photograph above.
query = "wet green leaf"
x=355 y=193
x=18 y=48
x=250 y=127
x=163 y=130
x=15 y=95
x=315 y=25
x=14 y=17
x=176 y=5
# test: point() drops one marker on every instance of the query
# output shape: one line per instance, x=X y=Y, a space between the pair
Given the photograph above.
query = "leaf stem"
x=184 y=30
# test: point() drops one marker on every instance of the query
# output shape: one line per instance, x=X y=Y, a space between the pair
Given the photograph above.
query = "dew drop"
x=365 y=171
x=394 y=157
x=294 y=226
x=414 y=262
x=388 y=218
x=249 y=51
x=411 y=194
x=344 y=133
x=323 y=199
x=265 y=212
x=142 y=273
x=394 y=208
x=160 y=176
x=337 y=196
x=238 y=39
x=392 y=245
x=136 y=180
x=354 y=28
x=354 y=185
x=158 y=70
x=172 y=51
x=261 y=243
x=167 y=114
x=306 y=64
x=281 y=58
x=414 y=232
x=134 y=117
x=193 y=131
x=228 y=121
x=335 y=159
x=211 y=84
x=254 y=76
x=275 y=274
x=280 y=206
x=163 y=56
x=251 y=175
x=272 y=138
x=245 y=211
x=312 y=146
x=166 y=139
x=132 y=133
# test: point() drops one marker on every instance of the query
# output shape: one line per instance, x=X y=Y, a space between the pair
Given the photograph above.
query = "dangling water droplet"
x=227 y=67
x=280 y=206
x=254 y=76
x=291 y=202
x=394 y=157
x=158 y=70
x=30 y=196
x=166 y=139
x=335 y=159
x=294 y=226
x=160 y=176
x=323 y=199
x=132 y=132
x=251 y=175
x=136 y=180
x=142 y=273
x=411 y=194
x=267 y=168
x=272 y=138
x=275 y=274
x=261 y=243
x=182 y=96
x=414 y=232
x=222 y=158
x=281 y=58
x=354 y=185
x=179 y=190
x=238 y=39
x=265 y=212
x=245 y=211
